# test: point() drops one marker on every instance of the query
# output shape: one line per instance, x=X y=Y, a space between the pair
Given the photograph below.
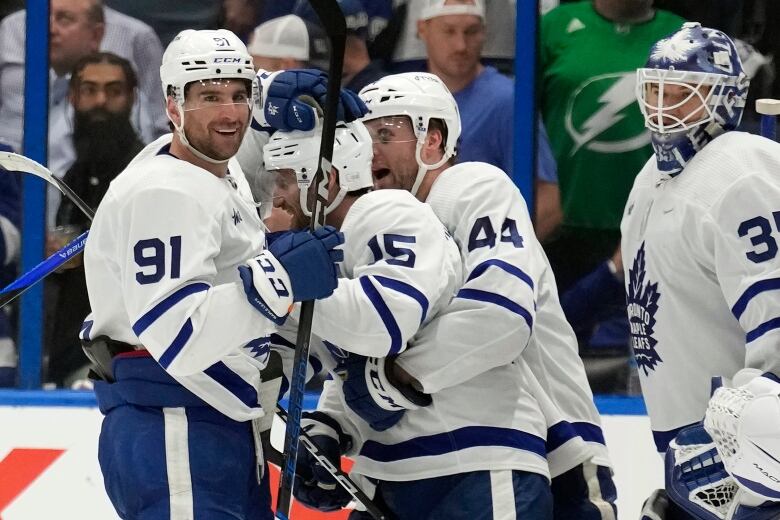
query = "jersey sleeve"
x=743 y=229
x=181 y=314
x=490 y=320
x=400 y=258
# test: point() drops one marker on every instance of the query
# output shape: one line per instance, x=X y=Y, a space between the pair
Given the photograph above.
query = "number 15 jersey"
x=702 y=275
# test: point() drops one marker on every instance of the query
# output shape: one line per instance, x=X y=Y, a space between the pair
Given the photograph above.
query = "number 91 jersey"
x=161 y=267
x=702 y=274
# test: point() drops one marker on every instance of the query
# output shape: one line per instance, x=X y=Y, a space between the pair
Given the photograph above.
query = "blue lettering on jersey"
x=642 y=301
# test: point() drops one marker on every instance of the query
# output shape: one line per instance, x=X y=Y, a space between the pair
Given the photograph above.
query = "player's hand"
x=372 y=392
x=297 y=266
x=695 y=477
x=282 y=104
x=310 y=261
x=314 y=486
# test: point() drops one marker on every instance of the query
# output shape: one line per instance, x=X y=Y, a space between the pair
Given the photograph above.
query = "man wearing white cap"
x=454 y=34
x=282 y=43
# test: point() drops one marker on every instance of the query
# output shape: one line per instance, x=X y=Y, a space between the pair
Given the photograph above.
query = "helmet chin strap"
x=186 y=142
x=422 y=167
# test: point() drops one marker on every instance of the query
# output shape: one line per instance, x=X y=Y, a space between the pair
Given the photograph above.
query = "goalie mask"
x=299 y=151
x=421 y=97
x=691 y=90
x=217 y=57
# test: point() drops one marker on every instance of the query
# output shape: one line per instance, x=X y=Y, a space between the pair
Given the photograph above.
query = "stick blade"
x=14 y=162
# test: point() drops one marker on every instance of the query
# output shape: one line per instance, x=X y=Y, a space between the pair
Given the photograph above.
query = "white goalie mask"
x=299 y=151
x=421 y=97
x=206 y=55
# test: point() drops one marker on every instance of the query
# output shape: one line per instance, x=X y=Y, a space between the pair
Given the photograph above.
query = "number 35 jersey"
x=161 y=267
x=700 y=254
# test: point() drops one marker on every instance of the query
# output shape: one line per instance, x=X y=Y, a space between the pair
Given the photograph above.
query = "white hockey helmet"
x=422 y=97
x=299 y=151
x=199 y=55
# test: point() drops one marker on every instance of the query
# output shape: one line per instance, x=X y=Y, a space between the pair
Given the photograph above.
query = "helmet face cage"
x=699 y=68
x=700 y=93
x=299 y=151
x=702 y=62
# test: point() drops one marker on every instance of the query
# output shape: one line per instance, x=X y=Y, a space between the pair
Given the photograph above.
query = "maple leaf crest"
x=642 y=303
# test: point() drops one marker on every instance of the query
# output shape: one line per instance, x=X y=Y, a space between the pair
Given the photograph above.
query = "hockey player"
x=178 y=336
x=699 y=244
x=508 y=312
x=468 y=458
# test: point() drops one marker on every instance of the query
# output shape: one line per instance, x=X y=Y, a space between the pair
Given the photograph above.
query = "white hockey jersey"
x=702 y=273
x=508 y=306
x=377 y=310
x=161 y=268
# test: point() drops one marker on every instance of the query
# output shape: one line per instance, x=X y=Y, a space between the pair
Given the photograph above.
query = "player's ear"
x=432 y=147
x=173 y=112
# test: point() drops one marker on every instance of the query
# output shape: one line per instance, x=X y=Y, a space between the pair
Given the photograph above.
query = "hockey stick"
x=335 y=26
x=769 y=110
x=342 y=478
x=19 y=286
x=19 y=163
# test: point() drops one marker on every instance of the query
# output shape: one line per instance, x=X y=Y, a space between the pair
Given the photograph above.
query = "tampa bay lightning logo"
x=642 y=302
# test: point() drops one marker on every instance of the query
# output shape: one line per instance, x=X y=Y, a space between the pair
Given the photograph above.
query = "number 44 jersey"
x=702 y=275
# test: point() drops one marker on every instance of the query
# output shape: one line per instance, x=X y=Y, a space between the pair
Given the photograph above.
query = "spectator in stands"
x=102 y=93
x=409 y=54
x=77 y=28
x=589 y=52
x=453 y=32
x=282 y=43
x=10 y=216
x=359 y=69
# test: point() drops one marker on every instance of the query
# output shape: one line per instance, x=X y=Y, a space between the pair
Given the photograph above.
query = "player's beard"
x=103 y=138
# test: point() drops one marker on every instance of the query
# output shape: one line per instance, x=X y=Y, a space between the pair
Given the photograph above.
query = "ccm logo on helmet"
x=225 y=59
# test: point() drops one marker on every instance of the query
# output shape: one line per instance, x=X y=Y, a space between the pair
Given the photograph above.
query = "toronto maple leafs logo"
x=642 y=302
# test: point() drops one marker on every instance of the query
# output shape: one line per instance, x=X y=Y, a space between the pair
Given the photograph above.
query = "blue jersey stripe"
x=161 y=308
x=502 y=301
x=564 y=431
x=384 y=312
x=177 y=345
x=86 y=330
x=408 y=290
x=233 y=383
x=772 y=284
x=456 y=440
x=762 y=329
x=509 y=268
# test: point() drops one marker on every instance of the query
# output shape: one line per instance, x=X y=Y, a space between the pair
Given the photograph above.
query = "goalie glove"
x=371 y=391
x=695 y=477
x=744 y=423
x=282 y=100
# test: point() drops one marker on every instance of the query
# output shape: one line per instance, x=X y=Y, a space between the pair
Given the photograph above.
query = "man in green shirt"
x=589 y=55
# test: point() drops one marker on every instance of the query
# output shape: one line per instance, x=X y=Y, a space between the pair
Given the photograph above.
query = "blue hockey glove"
x=309 y=260
x=284 y=109
x=297 y=266
x=372 y=393
x=314 y=487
